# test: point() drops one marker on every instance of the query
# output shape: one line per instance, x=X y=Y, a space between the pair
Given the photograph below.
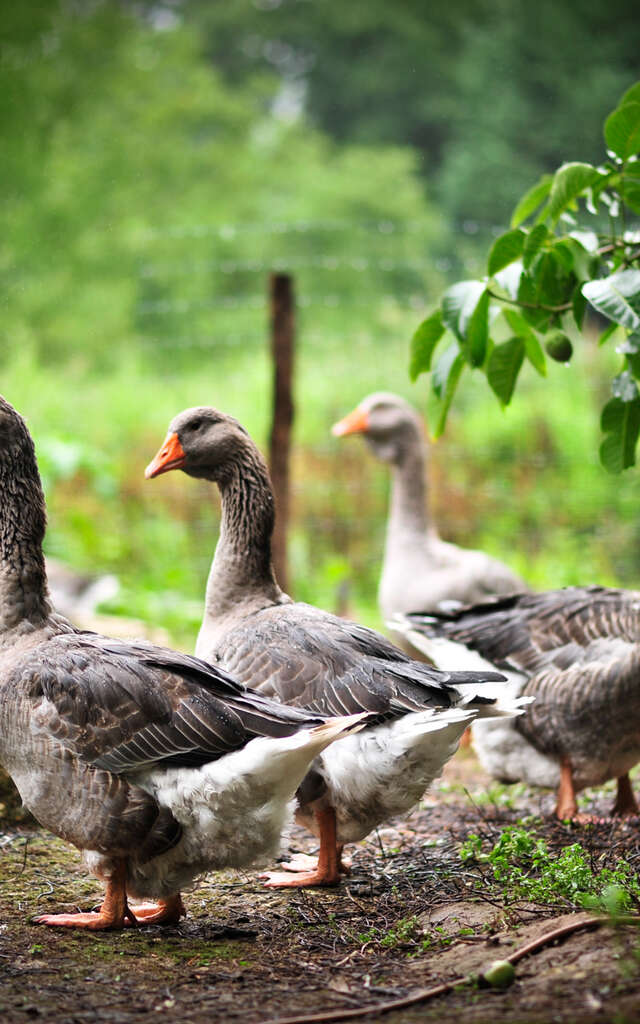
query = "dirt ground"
x=408 y=917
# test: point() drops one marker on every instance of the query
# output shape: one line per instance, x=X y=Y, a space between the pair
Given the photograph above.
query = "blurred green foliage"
x=490 y=93
x=141 y=192
x=152 y=179
x=525 y=486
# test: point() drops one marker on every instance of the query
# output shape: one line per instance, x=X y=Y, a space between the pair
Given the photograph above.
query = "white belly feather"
x=232 y=811
x=502 y=750
x=384 y=771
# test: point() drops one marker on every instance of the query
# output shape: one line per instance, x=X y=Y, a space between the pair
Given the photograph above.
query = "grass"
x=523 y=484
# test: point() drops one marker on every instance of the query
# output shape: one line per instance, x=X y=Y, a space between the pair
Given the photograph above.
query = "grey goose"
x=419 y=569
x=311 y=659
x=154 y=764
x=577 y=651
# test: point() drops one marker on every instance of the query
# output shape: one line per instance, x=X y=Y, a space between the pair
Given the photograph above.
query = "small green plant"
x=403 y=931
x=500 y=795
x=523 y=866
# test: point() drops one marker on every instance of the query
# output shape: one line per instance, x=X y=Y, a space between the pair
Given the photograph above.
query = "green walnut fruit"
x=559 y=347
x=499 y=974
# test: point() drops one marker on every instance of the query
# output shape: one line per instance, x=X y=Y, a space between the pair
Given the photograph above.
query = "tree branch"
x=423 y=994
x=531 y=305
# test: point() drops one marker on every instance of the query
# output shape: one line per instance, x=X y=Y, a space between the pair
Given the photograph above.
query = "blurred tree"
x=135 y=178
x=490 y=92
x=533 y=85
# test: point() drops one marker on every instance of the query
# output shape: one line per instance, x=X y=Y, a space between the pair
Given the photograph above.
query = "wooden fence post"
x=282 y=311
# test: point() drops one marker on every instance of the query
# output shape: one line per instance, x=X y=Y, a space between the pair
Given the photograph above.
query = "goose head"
x=388 y=424
x=202 y=442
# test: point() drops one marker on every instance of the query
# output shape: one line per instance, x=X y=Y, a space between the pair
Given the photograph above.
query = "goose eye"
x=196 y=425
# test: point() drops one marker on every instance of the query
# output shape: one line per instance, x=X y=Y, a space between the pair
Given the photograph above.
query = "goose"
x=419 y=570
x=157 y=766
x=307 y=657
x=577 y=651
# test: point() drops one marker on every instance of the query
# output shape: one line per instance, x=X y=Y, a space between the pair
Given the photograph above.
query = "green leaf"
x=630 y=186
x=587 y=239
x=578 y=306
x=633 y=363
x=620 y=421
x=528 y=295
x=630 y=345
x=617 y=297
x=505 y=250
x=533 y=349
x=458 y=306
x=509 y=279
x=564 y=254
x=444 y=381
x=632 y=95
x=584 y=264
x=569 y=182
x=547 y=284
x=622 y=130
x=606 y=334
x=606 y=182
x=478 y=332
x=504 y=366
x=423 y=343
x=534 y=241
x=531 y=200
x=442 y=369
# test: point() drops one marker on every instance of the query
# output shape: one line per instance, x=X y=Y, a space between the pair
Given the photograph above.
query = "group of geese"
x=160 y=766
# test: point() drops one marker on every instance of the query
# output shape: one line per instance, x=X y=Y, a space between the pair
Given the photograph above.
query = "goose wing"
x=533 y=632
x=309 y=658
x=122 y=706
x=586 y=701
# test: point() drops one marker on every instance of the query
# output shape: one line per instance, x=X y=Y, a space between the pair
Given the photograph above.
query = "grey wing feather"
x=309 y=658
x=593 y=696
x=530 y=631
x=121 y=706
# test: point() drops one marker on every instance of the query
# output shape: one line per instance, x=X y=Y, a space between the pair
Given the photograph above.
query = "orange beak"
x=357 y=422
x=170 y=456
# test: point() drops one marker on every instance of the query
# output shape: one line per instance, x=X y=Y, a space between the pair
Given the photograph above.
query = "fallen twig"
x=421 y=995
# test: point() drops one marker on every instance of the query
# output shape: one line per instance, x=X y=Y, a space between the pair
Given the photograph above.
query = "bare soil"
x=409 y=916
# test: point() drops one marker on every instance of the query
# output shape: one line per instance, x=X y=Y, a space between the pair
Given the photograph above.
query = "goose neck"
x=409 y=514
x=24 y=598
x=242 y=569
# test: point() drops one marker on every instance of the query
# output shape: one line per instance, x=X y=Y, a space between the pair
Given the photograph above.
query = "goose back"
x=577 y=650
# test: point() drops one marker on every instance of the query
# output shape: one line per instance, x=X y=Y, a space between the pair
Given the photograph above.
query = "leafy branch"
x=542 y=274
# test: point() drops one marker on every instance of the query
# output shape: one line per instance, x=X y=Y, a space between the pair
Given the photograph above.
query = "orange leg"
x=465 y=739
x=344 y=863
x=566 y=806
x=112 y=914
x=626 y=805
x=327 y=871
x=167 y=911
x=305 y=862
